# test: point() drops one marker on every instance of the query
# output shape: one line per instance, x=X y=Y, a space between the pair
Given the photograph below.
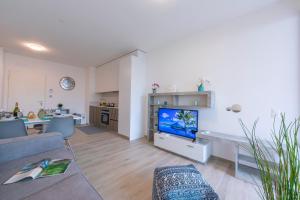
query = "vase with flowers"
x=155 y=86
x=201 y=84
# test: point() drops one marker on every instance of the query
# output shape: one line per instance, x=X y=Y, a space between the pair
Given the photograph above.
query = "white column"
x=138 y=96
x=132 y=93
x=125 y=96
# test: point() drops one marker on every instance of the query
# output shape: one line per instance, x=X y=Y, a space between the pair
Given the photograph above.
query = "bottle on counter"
x=20 y=114
x=16 y=110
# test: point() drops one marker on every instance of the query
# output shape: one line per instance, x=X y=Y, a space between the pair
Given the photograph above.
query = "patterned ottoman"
x=181 y=183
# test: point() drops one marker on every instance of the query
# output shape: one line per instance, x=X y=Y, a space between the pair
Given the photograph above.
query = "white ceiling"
x=91 y=32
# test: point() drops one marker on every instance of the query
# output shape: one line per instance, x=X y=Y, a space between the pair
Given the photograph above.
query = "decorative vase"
x=201 y=88
x=154 y=91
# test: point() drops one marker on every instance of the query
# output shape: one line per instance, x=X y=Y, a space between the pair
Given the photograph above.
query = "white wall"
x=51 y=73
x=138 y=93
x=254 y=61
x=1 y=76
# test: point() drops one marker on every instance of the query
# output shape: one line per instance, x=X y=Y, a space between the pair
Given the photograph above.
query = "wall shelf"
x=205 y=93
x=184 y=100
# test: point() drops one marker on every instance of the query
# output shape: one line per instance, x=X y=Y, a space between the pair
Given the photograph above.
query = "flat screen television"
x=179 y=122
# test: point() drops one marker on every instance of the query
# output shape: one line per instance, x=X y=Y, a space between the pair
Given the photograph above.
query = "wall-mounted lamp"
x=236 y=108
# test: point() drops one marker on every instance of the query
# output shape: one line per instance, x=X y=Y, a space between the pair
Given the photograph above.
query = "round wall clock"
x=67 y=83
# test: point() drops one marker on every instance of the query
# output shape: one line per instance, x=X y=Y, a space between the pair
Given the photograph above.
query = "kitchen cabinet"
x=113 y=119
x=107 y=77
x=95 y=117
x=91 y=115
x=92 y=118
x=127 y=76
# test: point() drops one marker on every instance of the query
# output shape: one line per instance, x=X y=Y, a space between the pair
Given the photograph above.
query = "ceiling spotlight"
x=162 y=1
x=35 y=46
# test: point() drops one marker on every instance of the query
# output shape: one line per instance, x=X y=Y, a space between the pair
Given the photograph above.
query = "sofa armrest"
x=19 y=147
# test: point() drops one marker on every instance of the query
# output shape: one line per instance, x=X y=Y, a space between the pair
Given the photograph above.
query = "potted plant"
x=278 y=161
x=155 y=86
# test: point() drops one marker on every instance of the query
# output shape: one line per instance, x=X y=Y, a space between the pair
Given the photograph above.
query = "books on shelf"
x=40 y=169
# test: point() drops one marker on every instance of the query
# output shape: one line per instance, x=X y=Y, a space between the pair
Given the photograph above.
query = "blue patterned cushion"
x=181 y=183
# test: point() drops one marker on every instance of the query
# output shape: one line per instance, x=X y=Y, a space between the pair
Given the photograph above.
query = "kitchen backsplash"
x=111 y=97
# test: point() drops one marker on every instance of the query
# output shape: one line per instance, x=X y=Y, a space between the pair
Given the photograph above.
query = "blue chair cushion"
x=181 y=183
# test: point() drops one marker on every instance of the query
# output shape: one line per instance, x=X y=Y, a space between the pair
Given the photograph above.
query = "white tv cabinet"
x=200 y=150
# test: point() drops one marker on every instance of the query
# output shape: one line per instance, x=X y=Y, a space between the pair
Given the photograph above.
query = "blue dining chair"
x=63 y=125
x=12 y=128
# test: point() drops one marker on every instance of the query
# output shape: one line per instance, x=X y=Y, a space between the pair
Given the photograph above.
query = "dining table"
x=42 y=121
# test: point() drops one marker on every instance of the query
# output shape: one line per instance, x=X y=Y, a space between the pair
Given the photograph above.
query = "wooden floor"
x=120 y=170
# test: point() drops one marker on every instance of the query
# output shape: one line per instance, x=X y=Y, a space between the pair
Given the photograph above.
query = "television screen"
x=178 y=122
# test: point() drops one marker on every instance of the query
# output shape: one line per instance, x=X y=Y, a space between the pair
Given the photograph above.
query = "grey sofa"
x=17 y=152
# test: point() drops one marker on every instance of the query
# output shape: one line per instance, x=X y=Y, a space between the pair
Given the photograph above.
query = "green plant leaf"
x=278 y=160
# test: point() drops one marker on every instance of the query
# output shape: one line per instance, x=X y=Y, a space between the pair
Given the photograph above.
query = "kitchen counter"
x=98 y=106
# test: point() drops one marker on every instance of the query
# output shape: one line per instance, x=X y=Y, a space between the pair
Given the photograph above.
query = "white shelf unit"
x=200 y=150
x=184 y=100
x=245 y=165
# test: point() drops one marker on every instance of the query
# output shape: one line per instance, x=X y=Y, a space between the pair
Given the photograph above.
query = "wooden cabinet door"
x=112 y=113
x=91 y=115
x=107 y=77
x=97 y=117
x=116 y=114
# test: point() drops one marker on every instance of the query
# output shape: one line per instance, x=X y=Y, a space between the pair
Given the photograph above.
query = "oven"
x=104 y=118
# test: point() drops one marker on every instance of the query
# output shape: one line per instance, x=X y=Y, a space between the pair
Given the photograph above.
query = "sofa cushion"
x=181 y=183
x=19 y=147
x=70 y=188
x=23 y=189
